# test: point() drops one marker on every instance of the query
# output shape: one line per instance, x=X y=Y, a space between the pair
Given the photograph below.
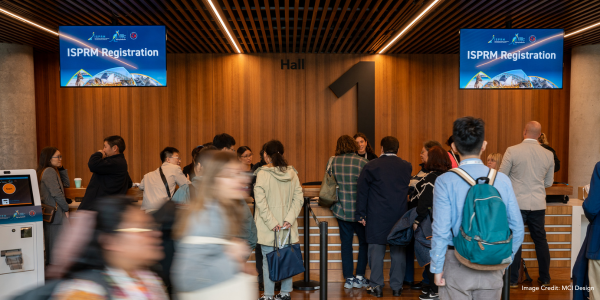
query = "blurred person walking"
x=53 y=179
x=279 y=199
x=209 y=259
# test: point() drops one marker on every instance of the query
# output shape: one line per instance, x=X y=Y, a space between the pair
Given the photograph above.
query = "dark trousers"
x=258 y=257
x=347 y=230
x=398 y=256
x=535 y=220
x=409 y=274
x=430 y=276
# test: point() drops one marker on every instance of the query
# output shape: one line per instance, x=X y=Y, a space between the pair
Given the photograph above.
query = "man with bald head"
x=530 y=168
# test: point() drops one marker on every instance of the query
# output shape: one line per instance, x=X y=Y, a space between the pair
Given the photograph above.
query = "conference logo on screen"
x=133 y=35
x=516 y=40
x=118 y=37
x=496 y=40
x=97 y=37
x=532 y=39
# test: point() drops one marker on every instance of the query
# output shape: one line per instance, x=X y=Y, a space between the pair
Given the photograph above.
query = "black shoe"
x=397 y=293
x=543 y=283
x=417 y=286
x=277 y=286
x=261 y=286
x=430 y=296
x=265 y=298
x=377 y=291
x=280 y=297
x=409 y=283
x=426 y=290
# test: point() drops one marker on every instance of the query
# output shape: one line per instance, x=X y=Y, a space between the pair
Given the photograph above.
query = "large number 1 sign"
x=363 y=75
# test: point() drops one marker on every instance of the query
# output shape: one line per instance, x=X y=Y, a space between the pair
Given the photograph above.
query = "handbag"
x=328 y=195
x=48 y=212
x=285 y=262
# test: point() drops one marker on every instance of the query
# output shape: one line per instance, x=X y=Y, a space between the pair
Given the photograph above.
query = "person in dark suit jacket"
x=382 y=190
x=110 y=175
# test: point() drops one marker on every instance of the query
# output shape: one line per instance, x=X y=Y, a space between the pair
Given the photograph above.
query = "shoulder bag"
x=328 y=195
x=48 y=211
x=164 y=180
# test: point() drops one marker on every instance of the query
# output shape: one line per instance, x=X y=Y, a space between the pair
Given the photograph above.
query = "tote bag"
x=285 y=262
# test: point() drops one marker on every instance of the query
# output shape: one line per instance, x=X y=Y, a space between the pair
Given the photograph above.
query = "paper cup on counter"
x=78 y=183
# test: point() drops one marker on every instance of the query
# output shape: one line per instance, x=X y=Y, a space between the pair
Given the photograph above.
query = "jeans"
x=286 y=284
x=347 y=230
x=409 y=275
x=535 y=220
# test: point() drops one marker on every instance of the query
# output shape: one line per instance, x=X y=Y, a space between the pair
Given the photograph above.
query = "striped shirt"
x=346 y=169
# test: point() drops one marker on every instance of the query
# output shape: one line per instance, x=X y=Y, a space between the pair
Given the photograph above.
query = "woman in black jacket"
x=544 y=143
x=438 y=162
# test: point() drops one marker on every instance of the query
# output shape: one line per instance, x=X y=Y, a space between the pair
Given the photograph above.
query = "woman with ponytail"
x=279 y=199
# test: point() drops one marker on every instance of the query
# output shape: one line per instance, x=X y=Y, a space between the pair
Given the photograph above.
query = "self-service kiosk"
x=21 y=233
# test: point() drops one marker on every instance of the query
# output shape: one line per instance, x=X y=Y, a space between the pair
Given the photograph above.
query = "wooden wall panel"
x=250 y=97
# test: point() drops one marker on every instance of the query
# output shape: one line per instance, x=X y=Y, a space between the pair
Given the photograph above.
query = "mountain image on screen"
x=118 y=76
x=514 y=79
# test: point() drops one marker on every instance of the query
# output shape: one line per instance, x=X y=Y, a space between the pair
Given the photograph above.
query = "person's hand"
x=363 y=222
x=67 y=214
x=415 y=226
x=439 y=280
x=276 y=228
x=286 y=225
x=239 y=250
x=188 y=177
x=103 y=153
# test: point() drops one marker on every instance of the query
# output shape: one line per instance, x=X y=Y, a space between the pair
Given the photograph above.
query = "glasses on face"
x=57 y=157
x=174 y=157
x=246 y=156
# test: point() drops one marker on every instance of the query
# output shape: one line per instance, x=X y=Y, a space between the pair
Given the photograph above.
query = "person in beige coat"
x=279 y=199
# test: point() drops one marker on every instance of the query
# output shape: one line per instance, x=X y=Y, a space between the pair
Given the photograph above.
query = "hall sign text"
x=293 y=65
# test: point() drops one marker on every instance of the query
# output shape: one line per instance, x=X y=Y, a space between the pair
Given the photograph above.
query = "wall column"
x=584 y=123
x=17 y=108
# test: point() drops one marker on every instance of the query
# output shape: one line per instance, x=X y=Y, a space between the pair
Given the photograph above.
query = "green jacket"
x=278 y=196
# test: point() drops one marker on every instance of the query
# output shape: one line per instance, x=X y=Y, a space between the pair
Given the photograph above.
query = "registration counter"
x=563 y=227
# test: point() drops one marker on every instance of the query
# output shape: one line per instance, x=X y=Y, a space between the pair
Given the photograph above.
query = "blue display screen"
x=109 y=56
x=511 y=58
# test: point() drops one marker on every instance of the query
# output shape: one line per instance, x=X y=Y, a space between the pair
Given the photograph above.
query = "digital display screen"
x=113 y=56
x=511 y=58
x=15 y=190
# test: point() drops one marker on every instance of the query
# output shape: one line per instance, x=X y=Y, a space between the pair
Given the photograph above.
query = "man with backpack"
x=477 y=226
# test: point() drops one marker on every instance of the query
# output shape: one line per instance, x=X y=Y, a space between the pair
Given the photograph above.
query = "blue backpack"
x=485 y=240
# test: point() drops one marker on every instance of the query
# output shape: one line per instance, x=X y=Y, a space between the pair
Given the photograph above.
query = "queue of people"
x=214 y=232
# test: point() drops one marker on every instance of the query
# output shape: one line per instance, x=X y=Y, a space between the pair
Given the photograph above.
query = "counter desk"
x=565 y=224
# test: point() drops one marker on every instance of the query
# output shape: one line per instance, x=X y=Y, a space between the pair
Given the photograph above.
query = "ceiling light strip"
x=224 y=27
x=583 y=29
x=410 y=25
x=27 y=21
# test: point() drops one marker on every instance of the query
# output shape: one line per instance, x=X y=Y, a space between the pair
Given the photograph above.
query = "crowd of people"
x=115 y=249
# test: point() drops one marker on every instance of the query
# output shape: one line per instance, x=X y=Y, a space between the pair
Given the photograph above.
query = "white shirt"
x=155 y=194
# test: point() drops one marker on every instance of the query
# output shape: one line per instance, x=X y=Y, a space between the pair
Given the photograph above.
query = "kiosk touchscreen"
x=21 y=233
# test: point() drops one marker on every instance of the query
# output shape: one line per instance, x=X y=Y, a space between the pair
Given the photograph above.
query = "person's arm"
x=506 y=163
x=515 y=219
x=249 y=234
x=591 y=205
x=260 y=197
x=64 y=177
x=102 y=166
x=179 y=177
x=362 y=194
x=556 y=161
x=297 y=202
x=425 y=200
x=50 y=179
x=441 y=227
x=142 y=185
x=549 y=175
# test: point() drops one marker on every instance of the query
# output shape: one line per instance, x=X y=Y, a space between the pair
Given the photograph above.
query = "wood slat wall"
x=251 y=98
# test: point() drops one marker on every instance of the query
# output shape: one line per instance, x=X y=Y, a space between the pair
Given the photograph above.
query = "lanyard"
x=471 y=162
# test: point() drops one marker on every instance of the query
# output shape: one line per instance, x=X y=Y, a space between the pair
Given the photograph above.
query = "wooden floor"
x=337 y=292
